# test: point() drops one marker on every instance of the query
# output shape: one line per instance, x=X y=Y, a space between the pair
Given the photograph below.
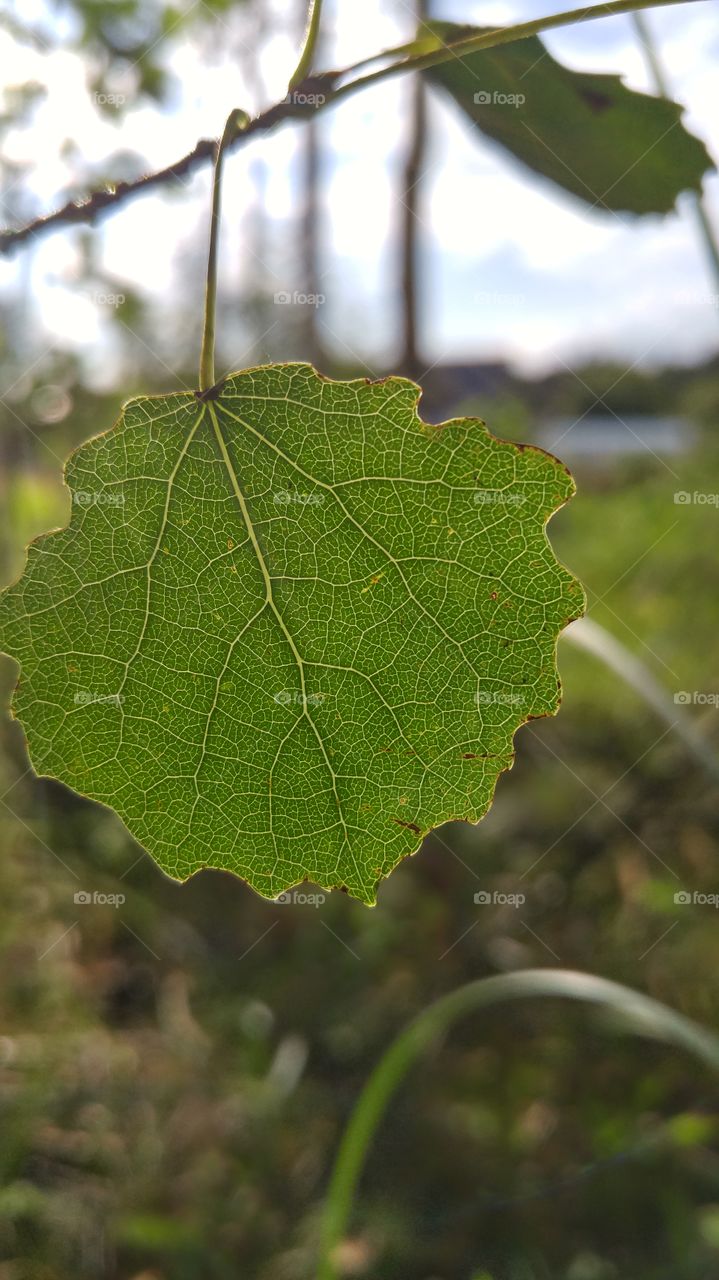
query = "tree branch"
x=321 y=90
x=100 y=202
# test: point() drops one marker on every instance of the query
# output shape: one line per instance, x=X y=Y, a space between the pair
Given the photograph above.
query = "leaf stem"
x=640 y=1013
x=490 y=39
x=304 y=66
x=236 y=123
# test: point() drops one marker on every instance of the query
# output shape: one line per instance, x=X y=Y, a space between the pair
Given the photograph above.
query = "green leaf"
x=615 y=149
x=290 y=631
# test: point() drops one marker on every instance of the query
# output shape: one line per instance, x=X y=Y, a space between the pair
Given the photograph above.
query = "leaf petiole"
x=304 y=66
x=236 y=123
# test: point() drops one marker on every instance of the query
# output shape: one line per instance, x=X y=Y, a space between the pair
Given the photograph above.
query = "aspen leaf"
x=289 y=631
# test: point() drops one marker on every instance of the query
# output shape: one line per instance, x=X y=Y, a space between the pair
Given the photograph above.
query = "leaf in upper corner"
x=289 y=632
x=614 y=148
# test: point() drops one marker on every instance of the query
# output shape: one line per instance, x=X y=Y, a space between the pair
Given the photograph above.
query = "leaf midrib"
x=270 y=600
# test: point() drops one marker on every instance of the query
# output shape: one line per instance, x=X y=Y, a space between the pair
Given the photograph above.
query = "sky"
x=514 y=269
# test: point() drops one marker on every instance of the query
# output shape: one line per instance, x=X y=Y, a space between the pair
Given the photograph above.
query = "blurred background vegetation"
x=175 y=1072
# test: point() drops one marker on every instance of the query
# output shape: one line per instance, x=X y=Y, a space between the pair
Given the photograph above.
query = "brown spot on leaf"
x=411 y=826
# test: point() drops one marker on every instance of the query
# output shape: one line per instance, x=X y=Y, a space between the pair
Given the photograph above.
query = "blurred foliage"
x=124 y=43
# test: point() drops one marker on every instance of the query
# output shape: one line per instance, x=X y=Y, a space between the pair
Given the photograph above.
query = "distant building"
x=448 y=387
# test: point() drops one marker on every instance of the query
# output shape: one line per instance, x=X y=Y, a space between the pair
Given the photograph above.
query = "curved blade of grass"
x=645 y=1016
x=588 y=635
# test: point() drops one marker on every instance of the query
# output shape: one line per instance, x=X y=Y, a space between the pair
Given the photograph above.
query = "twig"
x=314 y=93
x=100 y=202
